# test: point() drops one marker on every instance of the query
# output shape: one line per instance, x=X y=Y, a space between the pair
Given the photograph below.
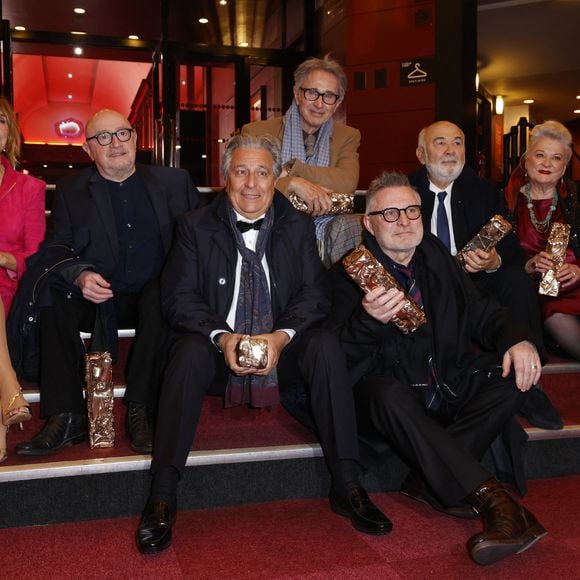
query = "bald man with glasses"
x=118 y=218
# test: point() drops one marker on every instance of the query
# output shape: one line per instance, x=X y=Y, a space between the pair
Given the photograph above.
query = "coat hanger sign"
x=414 y=72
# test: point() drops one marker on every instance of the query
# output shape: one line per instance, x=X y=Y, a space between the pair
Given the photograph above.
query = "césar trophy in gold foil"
x=100 y=399
x=369 y=274
x=253 y=352
x=341 y=203
x=487 y=238
x=558 y=239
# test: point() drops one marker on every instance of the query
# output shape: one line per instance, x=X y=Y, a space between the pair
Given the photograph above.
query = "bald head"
x=116 y=160
x=441 y=148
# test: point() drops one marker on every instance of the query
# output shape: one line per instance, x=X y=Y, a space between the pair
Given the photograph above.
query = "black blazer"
x=197 y=284
x=474 y=201
x=82 y=215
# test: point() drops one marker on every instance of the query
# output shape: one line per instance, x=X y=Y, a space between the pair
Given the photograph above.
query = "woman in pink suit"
x=22 y=225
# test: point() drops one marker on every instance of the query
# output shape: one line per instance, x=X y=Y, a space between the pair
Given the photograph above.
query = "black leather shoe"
x=154 y=533
x=415 y=488
x=363 y=513
x=539 y=411
x=59 y=431
x=139 y=428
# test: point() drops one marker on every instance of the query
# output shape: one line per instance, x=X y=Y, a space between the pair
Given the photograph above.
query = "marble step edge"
x=208 y=457
x=97 y=466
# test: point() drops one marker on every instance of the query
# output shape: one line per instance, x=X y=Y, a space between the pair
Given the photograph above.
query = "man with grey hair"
x=247 y=266
x=456 y=204
x=437 y=401
x=319 y=156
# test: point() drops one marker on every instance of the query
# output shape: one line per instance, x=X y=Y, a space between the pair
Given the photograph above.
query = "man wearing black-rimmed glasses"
x=437 y=401
x=119 y=217
x=319 y=156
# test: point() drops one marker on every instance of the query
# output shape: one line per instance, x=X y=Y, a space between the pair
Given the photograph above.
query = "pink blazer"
x=22 y=224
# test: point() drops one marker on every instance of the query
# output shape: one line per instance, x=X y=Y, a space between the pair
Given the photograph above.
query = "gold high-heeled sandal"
x=3 y=446
x=18 y=414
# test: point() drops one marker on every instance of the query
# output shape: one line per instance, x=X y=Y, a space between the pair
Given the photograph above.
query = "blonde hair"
x=13 y=142
x=553 y=130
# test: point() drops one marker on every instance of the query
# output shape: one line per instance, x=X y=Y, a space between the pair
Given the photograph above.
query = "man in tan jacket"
x=319 y=156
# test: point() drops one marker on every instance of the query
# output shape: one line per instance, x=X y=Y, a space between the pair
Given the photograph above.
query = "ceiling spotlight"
x=244 y=44
x=133 y=37
x=528 y=101
x=70 y=75
x=204 y=156
x=78 y=50
x=499 y=105
x=77 y=32
x=45 y=165
x=24 y=28
x=203 y=20
x=79 y=10
x=223 y=2
x=70 y=166
x=69 y=96
x=578 y=96
x=577 y=111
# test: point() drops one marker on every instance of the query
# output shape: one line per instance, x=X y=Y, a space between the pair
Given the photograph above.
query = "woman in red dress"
x=538 y=195
x=22 y=225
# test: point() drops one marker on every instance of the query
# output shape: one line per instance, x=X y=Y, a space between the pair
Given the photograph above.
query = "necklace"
x=540 y=225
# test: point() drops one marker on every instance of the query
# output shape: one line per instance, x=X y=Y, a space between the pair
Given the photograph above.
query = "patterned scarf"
x=293 y=140
x=253 y=316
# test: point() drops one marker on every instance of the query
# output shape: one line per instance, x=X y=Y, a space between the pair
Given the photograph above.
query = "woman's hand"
x=539 y=264
x=568 y=274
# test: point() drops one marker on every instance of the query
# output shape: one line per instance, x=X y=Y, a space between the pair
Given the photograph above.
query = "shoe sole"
x=68 y=443
x=490 y=552
x=410 y=494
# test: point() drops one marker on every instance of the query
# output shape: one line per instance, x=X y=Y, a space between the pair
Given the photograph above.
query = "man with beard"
x=456 y=203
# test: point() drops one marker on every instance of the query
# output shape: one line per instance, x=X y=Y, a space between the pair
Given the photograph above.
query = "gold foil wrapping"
x=253 y=352
x=487 y=238
x=341 y=203
x=368 y=273
x=558 y=239
x=100 y=399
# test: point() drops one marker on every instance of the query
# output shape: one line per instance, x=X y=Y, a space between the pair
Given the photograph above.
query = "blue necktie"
x=442 y=222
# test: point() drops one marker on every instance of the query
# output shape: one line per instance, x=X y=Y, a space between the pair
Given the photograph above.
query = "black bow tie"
x=247 y=226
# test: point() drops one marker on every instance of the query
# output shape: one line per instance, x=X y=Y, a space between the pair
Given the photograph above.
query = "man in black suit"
x=437 y=401
x=119 y=217
x=247 y=265
x=456 y=204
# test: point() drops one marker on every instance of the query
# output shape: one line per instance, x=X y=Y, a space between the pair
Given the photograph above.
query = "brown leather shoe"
x=509 y=528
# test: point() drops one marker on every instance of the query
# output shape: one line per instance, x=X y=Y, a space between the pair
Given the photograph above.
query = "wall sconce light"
x=499 y=105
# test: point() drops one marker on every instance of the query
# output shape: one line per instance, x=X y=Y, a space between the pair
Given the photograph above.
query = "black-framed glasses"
x=391 y=214
x=105 y=138
x=328 y=98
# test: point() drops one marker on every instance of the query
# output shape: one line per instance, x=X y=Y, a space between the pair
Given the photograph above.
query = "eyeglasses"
x=106 y=137
x=391 y=214
x=328 y=98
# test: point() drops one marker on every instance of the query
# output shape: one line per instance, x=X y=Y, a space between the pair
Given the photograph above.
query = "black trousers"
x=446 y=448
x=61 y=349
x=196 y=369
x=513 y=288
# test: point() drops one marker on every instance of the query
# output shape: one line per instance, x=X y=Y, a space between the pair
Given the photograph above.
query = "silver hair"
x=325 y=64
x=553 y=130
x=269 y=144
x=385 y=180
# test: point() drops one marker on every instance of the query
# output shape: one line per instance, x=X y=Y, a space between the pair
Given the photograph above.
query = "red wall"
x=379 y=35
